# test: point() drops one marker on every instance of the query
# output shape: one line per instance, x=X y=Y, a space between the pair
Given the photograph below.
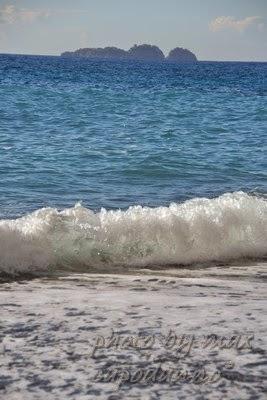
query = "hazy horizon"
x=211 y=29
x=199 y=60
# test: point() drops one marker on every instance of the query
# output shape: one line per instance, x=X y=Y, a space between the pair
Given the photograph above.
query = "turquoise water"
x=120 y=134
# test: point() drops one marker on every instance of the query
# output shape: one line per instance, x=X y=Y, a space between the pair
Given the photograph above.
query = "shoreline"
x=239 y=269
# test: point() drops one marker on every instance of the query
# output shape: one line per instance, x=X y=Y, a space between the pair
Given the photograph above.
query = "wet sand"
x=50 y=326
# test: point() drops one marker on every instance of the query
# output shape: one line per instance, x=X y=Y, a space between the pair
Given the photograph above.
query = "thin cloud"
x=10 y=14
x=231 y=23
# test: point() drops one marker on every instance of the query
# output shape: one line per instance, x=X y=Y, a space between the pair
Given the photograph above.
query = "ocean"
x=106 y=164
x=132 y=210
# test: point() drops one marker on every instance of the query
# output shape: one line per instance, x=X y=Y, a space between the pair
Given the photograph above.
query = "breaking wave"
x=229 y=227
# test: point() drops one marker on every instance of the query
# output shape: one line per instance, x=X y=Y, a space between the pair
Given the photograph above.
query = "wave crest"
x=229 y=227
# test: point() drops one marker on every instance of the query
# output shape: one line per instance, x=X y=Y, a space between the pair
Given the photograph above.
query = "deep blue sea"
x=112 y=135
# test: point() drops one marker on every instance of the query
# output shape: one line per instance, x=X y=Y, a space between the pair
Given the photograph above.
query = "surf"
x=229 y=227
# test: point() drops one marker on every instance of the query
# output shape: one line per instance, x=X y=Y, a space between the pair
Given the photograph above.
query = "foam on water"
x=231 y=226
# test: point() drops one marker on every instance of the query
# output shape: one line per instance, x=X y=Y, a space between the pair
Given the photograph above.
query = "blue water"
x=85 y=144
x=115 y=134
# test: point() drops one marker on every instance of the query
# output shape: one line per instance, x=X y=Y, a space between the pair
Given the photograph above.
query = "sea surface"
x=130 y=163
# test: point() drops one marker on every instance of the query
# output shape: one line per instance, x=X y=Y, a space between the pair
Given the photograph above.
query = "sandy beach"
x=56 y=338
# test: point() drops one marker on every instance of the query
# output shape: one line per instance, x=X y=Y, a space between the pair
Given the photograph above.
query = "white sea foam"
x=231 y=226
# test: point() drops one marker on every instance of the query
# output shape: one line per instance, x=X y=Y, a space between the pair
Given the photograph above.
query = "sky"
x=234 y=30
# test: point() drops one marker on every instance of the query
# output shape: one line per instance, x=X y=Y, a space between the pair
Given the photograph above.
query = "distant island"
x=143 y=52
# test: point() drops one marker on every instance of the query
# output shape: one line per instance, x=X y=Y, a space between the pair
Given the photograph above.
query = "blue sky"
x=213 y=29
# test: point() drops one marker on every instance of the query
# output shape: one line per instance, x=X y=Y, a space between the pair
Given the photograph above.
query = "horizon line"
x=58 y=55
